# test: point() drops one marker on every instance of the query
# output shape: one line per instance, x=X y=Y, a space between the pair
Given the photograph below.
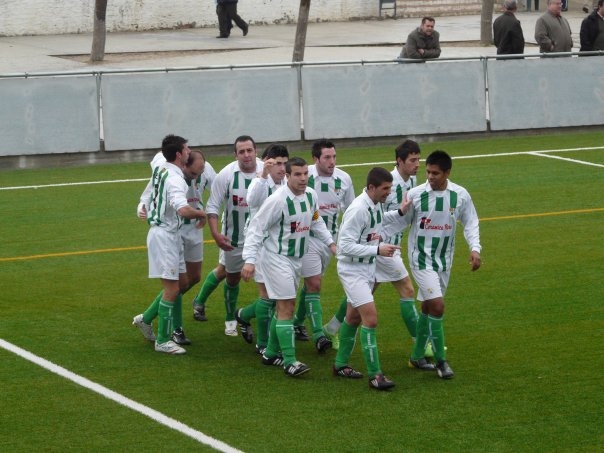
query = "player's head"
x=438 y=169
x=324 y=157
x=277 y=156
x=195 y=165
x=275 y=150
x=297 y=175
x=379 y=184
x=245 y=153
x=407 y=158
x=510 y=5
x=174 y=147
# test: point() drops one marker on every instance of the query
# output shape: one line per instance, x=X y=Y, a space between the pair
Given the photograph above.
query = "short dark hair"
x=172 y=144
x=600 y=3
x=403 y=150
x=441 y=159
x=294 y=162
x=243 y=138
x=377 y=176
x=275 y=150
x=192 y=157
x=427 y=19
x=317 y=147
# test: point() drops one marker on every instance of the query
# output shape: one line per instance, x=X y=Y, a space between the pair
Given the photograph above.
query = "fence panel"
x=207 y=107
x=546 y=92
x=393 y=99
x=48 y=115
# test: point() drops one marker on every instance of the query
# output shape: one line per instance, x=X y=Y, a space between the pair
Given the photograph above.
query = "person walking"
x=507 y=31
x=226 y=10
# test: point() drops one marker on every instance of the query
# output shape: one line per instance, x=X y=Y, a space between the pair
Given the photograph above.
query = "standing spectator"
x=507 y=32
x=167 y=206
x=592 y=29
x=359 y=244
x=279 y=233
x=434 y=208
x=226 y=10
x=228 y=193
x=423 y=42
x=528 y=5
x=552 y=31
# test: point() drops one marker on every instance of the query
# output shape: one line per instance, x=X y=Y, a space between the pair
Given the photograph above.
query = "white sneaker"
x=230 y=328
x=146 y=329
x=169 y=347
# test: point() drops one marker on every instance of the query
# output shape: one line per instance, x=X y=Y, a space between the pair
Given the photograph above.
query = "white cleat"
x=230 y=328
x=146 y=329
x=169 y=347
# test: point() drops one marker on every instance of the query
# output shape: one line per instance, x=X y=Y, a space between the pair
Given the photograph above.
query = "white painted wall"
x=44 y=17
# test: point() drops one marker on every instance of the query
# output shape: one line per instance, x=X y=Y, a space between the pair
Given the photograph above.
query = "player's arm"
x=471 y=231
x=215 y=201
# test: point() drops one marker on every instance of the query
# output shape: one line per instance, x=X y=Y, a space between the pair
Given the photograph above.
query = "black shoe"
x=421 y=364
x=301 y=333
x=444 y=370
x=347 y=372
x=323 y=344
x=380 y=382
x=245 y=30
x=275 y=361
x=222 y=36
x=199 y=312
x=179 y=337
x=245 y=328
x=260 y=349
x=296 y=369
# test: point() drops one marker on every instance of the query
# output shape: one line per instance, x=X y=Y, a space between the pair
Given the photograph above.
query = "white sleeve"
x=257 y=192
x=351 y=230
x=257 y=230
x=349 y=196
x=469 y=220
x=217 y=193
x=209 y=173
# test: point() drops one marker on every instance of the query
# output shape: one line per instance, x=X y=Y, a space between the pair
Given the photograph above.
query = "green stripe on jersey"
x=399 y=194
x=439 y=204
x=281 y=232
x=235 y=236
x=443 y=253
x=338 y=184
x=372 y=224
x=434 y=247
x=421 y=247
x=324 y=187
x=453 y=199
x=291 y=208
x=424 y=199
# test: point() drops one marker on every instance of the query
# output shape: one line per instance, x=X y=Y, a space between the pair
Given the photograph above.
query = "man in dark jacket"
x=592 y=29
x=423 y=42
x=507 y=32
x=226 y=10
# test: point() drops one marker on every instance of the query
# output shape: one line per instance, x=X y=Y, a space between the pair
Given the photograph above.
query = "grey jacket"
x=553 y=34
x=417 y=40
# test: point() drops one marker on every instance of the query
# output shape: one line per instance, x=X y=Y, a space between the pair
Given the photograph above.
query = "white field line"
x=576 y=161
x=365 y=164
x=110 y=394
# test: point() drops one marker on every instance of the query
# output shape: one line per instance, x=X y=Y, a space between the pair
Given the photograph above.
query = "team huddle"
x=281 y=222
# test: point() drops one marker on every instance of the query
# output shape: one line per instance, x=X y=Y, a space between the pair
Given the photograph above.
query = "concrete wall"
x=47 y=17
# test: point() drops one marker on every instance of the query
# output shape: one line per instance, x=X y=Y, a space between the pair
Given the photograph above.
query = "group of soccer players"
x=280 y=225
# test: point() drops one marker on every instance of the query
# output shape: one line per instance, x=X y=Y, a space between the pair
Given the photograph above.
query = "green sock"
x=285 y=334
x=336 y=321
x=300 y=315
x=315 y=314
x=264 y=313
x=248 y=312
x=272 y=346
x=178 y=312
x=230 y=301
x=370 y=351
x=164 y=325
x=151 y=312
x=341 y=313
x=209 y=285
x=409 y=315
x=347 y=335
x=437 y=336
x=422 y=338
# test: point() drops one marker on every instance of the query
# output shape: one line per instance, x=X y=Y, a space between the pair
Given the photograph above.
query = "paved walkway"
x=327 y=41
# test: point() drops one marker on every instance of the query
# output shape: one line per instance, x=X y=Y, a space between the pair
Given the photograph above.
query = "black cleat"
x=199 y=312
x=245 y=328
x=444 y=370
x=301 y=333
x=421 y=364
x=274 y=361
x=179 y=337
x=347 y=372
x=380 y=382
x=323 y=344
x=296 y=369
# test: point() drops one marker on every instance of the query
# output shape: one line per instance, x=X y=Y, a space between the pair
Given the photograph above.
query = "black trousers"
x=226 y=13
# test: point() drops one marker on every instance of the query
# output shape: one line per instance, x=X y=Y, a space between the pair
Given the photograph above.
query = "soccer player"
x=277 y=239
x=335 y=193
x=229 y=191
x=167 y=207
x=358 y=247
x=199 y=175
x=434 y=208
x=269 y=181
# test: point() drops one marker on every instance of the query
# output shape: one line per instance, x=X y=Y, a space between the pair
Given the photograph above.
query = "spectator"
x=507 y=32
x=423 y=42
x=226 y=10
x=592 y=29
x=552 y=31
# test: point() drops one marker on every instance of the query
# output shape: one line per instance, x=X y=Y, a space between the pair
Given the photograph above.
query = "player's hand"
x=387 y=249
x=223 y=242
x=201 y=220
x=247 y=271
x=268 y=164
x=405 y=204
x=141 y=211
x=333 y=249
x=475 y=261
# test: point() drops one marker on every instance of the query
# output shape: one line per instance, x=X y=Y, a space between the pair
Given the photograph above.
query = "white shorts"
x=431 y=284
x=192 y=242
x=231 y=260
x=357 y=280
x=390 y=268
x=165 y=252
x=281 y=275
x=316 y=259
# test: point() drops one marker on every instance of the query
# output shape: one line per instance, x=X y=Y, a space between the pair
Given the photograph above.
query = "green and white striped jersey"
x=229 y=191
x=335 y=193
x=168 y=196
x=433 y=216
x=283 y=224
x=394 y=200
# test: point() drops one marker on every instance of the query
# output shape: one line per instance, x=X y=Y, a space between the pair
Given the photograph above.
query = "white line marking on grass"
x=567 y=159
x=110 y=394
x=364 y=164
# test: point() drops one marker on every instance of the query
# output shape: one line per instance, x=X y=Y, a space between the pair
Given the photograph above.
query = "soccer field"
x=524 y=333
